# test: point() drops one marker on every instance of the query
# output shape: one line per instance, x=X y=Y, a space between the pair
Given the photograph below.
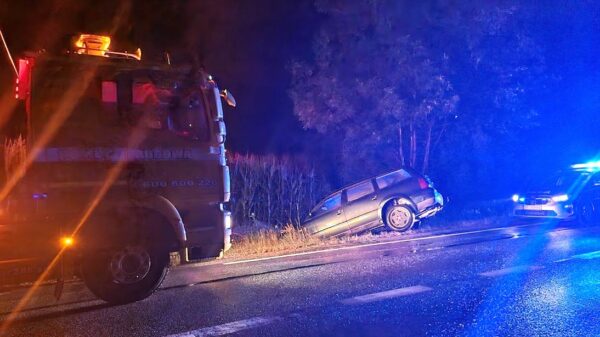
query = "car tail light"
x=423 y=184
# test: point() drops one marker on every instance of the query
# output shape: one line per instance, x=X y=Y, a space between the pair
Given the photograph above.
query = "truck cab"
x=114 y=165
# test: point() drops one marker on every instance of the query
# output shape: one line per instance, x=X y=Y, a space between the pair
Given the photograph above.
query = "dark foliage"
x=448 y=100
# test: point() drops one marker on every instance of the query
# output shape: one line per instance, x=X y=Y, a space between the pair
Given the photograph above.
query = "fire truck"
x=114 y=170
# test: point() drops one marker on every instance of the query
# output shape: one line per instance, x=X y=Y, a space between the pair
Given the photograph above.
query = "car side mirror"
x=228 y=97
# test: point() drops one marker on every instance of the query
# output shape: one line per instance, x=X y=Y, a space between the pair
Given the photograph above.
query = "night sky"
x=244 y=45
x=247 y=45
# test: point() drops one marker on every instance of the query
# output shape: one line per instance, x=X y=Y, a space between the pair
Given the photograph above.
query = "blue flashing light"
x=592 y=165
x=515 y=198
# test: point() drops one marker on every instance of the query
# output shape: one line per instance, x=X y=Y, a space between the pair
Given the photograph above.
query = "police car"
x=572 y=194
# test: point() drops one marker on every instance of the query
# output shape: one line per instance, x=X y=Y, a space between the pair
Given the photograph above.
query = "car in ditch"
x=396 y=199
x=571 y=194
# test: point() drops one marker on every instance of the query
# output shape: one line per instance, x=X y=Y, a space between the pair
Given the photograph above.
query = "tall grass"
x=272 y=241
x=15 y=152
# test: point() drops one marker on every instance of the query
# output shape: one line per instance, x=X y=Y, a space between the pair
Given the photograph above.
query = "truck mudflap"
x=211 y=240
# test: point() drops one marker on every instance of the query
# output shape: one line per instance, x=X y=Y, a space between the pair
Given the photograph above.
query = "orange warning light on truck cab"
x=90 y=44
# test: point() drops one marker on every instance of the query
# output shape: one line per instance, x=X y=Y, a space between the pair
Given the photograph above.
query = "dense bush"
x=273 y=190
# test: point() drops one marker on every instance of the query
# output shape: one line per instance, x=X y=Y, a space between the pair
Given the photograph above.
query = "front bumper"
x=562 y=211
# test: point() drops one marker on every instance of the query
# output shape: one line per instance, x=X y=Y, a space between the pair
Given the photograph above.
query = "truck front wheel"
x=125 y=274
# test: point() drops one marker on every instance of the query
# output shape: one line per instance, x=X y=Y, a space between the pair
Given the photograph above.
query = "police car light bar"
x=594 y=165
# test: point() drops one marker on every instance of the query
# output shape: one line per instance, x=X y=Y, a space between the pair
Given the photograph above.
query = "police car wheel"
x=399 y=218
x=585 y=212
x=125 y=274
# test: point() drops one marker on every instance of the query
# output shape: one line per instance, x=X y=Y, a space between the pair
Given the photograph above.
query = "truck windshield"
x=174 y=104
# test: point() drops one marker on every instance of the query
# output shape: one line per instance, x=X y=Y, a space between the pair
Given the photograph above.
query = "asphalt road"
x=532 y=280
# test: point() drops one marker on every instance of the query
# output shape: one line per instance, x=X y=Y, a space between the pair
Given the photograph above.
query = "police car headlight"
x=515 y=198
x=560 y=198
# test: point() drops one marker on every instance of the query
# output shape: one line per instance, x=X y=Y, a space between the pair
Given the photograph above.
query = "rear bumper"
x=430 y=211
x=430 y=206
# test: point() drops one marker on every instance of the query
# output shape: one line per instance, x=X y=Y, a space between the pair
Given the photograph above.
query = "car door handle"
x=374 y=197
x=339 y=212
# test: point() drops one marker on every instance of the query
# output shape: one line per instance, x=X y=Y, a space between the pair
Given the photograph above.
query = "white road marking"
x=386 y=294
x=434 y=248
x=511 y=270
x=588 y=256
x=229 y=328
x=377 y=244
x=584 y=256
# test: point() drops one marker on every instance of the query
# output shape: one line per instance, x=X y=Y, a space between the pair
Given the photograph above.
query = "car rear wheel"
x=125 y=274
x=399 y=218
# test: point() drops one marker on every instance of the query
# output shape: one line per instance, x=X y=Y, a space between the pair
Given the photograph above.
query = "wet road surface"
x=530 y=280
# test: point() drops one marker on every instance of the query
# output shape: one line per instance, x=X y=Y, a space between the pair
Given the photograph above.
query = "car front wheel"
x=399 y=218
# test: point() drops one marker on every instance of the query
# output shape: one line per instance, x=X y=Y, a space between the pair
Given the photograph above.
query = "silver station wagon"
x=397 y=199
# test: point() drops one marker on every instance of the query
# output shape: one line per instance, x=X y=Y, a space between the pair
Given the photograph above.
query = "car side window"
x=392 y=178
x=332 y=203
x=356 y=192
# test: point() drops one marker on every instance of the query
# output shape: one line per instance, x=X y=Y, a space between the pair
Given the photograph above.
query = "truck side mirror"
x=228 y=97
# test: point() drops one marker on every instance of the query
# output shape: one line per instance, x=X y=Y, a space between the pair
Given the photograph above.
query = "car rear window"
x=392 y=178
x=359 y=191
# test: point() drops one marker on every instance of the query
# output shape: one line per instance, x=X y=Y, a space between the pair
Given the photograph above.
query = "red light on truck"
x=109 y=92
x=23 y=81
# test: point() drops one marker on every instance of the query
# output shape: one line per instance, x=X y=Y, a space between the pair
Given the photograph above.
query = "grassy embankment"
x=268 y=242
